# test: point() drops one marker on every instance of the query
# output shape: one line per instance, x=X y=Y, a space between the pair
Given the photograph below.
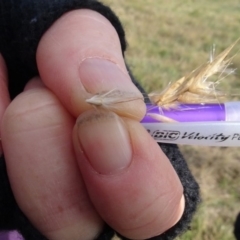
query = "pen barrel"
x=232 y=111
x=196 y=124
x=192 y=112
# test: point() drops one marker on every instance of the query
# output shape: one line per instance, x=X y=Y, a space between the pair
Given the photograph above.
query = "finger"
x=42 y=168
x=129 y=179
x=80 y=55
x=4 y=95
x=34 y=84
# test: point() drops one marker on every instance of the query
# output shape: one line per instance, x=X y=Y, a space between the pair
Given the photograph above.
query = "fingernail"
x=105 y=141
x=97 y=74
x=33 y=84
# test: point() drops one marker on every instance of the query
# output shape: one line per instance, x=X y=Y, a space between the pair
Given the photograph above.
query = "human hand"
x=69 y=178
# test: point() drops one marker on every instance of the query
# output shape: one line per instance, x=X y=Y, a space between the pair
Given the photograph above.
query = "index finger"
x=79 y=56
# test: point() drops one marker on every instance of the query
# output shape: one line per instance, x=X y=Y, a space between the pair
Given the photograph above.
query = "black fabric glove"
x=22 y=23
x=236 y=230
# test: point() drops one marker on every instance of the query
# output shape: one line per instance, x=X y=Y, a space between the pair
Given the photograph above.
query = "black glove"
x=22 y=25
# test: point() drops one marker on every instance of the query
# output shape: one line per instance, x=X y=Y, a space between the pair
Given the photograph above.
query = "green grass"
x=168 y=39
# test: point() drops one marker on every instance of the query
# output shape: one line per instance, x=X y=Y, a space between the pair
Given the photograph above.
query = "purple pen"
x=195 y=124
x=229 y=111
x=11 y=235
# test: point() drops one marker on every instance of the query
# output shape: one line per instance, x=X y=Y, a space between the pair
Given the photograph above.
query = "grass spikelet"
x=118 y=101
x=199 y=86
x=110 y=99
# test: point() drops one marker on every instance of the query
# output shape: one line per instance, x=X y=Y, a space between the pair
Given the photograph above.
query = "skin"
x=73 y=167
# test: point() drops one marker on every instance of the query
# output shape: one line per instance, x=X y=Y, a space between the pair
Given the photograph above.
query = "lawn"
x=166 y=40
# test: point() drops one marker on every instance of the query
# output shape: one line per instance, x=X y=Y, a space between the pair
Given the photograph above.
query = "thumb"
x=79 y=56
x=130 y=181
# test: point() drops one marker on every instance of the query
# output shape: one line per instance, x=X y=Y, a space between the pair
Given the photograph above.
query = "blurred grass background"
x=168 y=39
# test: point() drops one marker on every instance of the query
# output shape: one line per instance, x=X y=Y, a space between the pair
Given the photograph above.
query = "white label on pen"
x=182 y=133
